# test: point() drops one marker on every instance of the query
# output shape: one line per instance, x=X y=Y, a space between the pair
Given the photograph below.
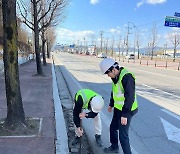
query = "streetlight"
x=127 y=44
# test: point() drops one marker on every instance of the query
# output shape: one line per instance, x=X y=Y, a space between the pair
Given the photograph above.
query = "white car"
x=102 y=55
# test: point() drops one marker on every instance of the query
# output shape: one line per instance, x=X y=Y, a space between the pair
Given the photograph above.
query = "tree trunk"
x=138 y=52
x=36 y=35
x=43 y=48
x=174 y=54
x=175 y=45
x=152 y=52
x=15 y=111
x=48 y=52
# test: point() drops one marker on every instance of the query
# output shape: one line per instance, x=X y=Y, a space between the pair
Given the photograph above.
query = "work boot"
x=76 y=141
x=98 y=140
x=111 y=149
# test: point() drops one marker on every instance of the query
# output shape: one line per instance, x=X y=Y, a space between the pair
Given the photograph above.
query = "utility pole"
x=175 y=45
x=106 y=46
x=149 y=49
x=78 y=46
x=84 y=44
x=165 y=48
x=101 y=34
x=127 y=39
x=112 y=47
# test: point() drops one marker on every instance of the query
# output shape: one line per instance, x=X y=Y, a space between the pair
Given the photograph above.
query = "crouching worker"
x=87 y=99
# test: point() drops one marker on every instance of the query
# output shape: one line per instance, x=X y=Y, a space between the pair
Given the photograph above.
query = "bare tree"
x=153 y=43
x=175 y=40
x=15 y=112
x=137 y=42
x=106 y=46
x=119 y=47
x=123 y=47
x=112 y=46
x=45 y=13
x=57 y=18
x=50 y=39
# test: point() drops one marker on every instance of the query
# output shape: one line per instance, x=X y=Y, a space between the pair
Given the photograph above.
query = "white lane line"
x=172 y=114
x=161 y=91
x=154 y=73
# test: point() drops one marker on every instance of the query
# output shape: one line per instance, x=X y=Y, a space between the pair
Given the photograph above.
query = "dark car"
x=131 y=56
x=102 y=55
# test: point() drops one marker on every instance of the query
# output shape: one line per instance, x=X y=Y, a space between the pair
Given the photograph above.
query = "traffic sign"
x=177 y=14
x=172 y=21
x=172 y=24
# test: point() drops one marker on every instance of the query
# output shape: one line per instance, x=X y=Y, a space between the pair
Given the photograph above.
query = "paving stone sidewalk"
x=38 y=103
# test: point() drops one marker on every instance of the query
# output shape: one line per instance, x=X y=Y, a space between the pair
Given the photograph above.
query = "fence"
x=161 y=63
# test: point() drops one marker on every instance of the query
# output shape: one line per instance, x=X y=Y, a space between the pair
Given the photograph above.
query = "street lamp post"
x=127 y=38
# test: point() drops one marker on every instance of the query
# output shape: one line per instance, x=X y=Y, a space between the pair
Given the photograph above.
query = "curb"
x=61 y=132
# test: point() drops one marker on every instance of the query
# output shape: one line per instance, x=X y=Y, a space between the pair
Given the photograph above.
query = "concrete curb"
x=61 y=132
x=73 y=87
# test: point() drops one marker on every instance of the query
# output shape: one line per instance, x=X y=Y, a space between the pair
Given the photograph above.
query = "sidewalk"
x=37 y=97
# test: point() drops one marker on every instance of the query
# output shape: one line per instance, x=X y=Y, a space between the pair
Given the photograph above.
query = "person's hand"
x=79 y=131
x=82 y=115
x=109 y=109
x=123 y=121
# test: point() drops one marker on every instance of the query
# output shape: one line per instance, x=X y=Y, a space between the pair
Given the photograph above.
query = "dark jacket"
x=78 y=109
x=128 y=83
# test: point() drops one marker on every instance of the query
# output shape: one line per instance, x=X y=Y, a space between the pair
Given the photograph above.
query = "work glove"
x=79 y=131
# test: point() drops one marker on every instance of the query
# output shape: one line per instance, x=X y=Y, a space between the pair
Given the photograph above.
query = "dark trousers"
x=116 y=126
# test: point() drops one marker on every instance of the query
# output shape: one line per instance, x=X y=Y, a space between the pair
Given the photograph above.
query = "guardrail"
x=161 y=63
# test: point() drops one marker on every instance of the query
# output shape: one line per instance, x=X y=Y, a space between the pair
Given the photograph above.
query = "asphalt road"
x=156 y=127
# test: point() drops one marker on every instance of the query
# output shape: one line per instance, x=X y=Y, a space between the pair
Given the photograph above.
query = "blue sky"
x=85 y=19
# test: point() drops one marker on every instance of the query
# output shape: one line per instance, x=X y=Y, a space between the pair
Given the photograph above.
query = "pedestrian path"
x=37 y=100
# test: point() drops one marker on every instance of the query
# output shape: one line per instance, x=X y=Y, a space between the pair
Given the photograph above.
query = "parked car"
x=87 y=52
x=102 y=55
x=93 y=53
x=131 y=56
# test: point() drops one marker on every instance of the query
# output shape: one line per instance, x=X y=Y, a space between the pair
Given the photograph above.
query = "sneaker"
x=98 y=140
x=76 y=140
x=111 y=149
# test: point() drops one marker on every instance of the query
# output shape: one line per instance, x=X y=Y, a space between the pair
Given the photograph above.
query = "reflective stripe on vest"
x=118 y=92
x=86 y=95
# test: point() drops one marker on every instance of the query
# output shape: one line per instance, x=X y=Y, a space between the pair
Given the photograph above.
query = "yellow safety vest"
x=86 y=95
x=118 y=92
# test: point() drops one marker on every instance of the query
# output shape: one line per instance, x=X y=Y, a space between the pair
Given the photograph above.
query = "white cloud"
x=176 y=29
x=94 y=1
x=155 y=1
x=68 y=36
x=140 y=3
x=149 y=2
x=114 y=31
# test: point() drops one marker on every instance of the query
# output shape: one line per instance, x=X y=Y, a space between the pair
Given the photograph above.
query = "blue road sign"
x=172 y=24
x=172 y=21
x=177 y=14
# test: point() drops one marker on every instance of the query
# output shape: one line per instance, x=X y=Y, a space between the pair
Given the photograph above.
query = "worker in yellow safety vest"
x=123 y=101
x=87 y=99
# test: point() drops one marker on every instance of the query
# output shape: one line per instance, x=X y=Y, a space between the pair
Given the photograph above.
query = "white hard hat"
x=97 y=103
x=105 y=64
